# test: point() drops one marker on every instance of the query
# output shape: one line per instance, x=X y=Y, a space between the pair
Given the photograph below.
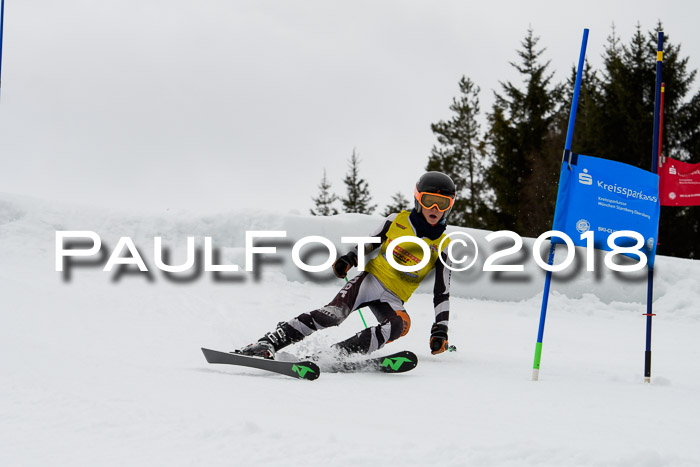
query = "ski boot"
x=258 y=349
x=354 y=345
x=268 y=345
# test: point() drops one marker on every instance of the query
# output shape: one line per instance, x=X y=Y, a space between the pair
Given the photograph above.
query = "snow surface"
x=103 y=368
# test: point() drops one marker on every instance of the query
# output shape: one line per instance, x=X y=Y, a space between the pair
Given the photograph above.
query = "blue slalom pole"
x=654 y=168
x=552 y=248
x=657 y=103
x=2 y=21
x=577 y=89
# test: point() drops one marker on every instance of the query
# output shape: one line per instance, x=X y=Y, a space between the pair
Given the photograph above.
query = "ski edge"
x=398 y=362
x=305 y=370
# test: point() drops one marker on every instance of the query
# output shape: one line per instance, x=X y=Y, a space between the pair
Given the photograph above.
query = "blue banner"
x=605 y=196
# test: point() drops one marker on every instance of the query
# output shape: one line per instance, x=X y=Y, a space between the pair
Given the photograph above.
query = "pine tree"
x=325 y=199
x=398 y=203
x=681 y=131
x=625 y=113
x=679 y=228
x=587 y=134
x=526 y=145
x=626 y=110
x=358 y=198
x=460 y=154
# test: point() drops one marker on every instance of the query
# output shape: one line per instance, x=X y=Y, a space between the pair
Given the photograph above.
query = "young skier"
x=381 y=287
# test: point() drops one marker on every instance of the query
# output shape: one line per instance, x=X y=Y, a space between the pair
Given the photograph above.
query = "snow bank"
x=22 y=216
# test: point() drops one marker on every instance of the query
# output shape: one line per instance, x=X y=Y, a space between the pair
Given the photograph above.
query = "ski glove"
x=438 y=338
x=343 y=264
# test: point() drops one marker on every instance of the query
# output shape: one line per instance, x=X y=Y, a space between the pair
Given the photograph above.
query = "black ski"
x=300 y=370
x=398 y=362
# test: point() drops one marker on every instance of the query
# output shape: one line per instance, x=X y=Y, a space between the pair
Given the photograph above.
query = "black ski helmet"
x=435 y=182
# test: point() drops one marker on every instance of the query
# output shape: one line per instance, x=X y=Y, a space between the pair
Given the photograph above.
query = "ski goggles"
x=431 y=200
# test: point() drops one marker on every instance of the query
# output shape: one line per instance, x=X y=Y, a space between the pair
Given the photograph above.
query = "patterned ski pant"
x=364 y=290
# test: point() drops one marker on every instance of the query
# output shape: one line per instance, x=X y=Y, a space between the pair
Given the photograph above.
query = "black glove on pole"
x=438 y=338
x=343 y=264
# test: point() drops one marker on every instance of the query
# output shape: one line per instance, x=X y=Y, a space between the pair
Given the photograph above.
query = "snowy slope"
x=105 y=369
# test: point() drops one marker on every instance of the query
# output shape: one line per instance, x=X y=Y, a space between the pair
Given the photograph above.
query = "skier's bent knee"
x=400 y=325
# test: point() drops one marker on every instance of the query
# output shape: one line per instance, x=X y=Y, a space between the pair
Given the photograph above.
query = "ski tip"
x=208 y=353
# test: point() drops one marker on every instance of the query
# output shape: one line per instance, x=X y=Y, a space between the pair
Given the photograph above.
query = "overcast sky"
x=211 y=105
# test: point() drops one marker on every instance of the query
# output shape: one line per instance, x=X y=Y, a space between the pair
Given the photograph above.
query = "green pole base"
x=536 y=364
